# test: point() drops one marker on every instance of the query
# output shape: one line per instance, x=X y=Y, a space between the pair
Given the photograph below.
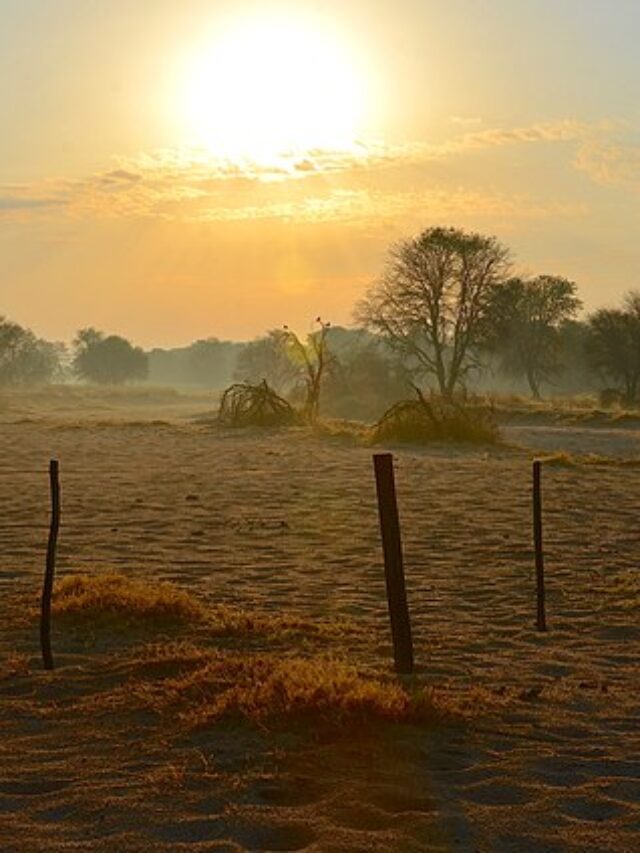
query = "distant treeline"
x=445 y=314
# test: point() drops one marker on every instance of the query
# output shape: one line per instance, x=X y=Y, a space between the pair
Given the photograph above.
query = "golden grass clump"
x=115 y=596
x=213 y=685
x=423 y=420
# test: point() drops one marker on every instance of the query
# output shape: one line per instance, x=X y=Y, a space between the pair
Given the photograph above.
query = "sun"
x=269 y=86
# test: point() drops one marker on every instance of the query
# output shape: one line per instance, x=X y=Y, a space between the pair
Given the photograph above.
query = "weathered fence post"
x=393 y=563
x=47 y=590
x=537 y=538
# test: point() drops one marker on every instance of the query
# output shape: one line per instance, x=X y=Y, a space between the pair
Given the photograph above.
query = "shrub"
x=421 y=421
x=244 y=404
x=210 y=685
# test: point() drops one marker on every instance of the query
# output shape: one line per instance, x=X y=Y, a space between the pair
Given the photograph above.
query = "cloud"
x=354 y=184
x=610 y=163
x=365 y=207
x=15 y=203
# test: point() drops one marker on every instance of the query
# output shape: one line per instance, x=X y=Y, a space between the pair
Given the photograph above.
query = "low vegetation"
x=423 y=420
x=133 y=610
x=202 y=687
x=115 y=597
x=278 y=670
x=247 y=405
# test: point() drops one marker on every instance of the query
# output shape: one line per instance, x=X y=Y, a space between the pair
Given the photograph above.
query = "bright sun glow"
x=266 y=87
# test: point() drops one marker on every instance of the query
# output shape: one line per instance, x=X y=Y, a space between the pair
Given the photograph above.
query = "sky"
x=173 y=170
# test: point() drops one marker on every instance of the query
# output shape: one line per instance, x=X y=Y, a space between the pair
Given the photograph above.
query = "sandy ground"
x=286 y=522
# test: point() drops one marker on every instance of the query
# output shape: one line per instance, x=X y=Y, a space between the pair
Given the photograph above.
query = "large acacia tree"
x=431 y=301
x=524 y=325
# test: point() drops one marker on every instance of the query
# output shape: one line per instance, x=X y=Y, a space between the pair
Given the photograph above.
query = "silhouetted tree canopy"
x=523 y=326
x=431 y=300
x=107 y=360
x=26 y=359
x=613 y=346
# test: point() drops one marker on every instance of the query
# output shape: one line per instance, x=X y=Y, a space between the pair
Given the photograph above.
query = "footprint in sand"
x=495 y=794
x=9 y=804
x=191 y=831
x=400 y=802
x=290 y=792
x=560 y=772
x=56 y=814
x=518 y=844
x=627 y=790
x=362 y=818
x=274 y=838
x=592 y=810
x=32 y=788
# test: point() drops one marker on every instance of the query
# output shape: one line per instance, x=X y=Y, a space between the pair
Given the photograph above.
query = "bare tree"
x=431 y=300
x=313 y=358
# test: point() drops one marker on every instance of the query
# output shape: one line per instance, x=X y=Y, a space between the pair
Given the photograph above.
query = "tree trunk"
x=533 y=385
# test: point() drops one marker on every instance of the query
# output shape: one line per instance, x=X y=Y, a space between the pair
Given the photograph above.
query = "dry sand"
x=286 y=522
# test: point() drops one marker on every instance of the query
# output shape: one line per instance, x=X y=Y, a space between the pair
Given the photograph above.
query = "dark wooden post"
x=537 y=538
x=393 y=563
x=49 y=575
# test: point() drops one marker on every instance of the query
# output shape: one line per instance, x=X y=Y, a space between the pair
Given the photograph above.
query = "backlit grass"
x=200 y=687
x=115 y=600
x=112 y=596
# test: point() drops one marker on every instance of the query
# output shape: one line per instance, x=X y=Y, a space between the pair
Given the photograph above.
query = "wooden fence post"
x=49 y=575
x=537 y=538
x=393 y=563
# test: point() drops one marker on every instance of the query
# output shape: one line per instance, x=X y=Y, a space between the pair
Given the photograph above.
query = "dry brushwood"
x=244 y=404
x=435 y=419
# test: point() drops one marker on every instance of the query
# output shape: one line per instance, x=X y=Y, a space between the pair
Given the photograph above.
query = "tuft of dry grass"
x=113 y=596
x=211 y=685
x=114 y=600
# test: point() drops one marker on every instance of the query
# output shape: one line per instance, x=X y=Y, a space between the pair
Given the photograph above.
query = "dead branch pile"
x=244 y=404
x=425 y=420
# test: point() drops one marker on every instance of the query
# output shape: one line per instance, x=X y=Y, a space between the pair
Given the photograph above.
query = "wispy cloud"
x=16 y=203
x=318 y=185
x=365 y=206
x=610 y=163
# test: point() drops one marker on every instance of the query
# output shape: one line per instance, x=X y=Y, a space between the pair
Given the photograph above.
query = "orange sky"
x=154 y=184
